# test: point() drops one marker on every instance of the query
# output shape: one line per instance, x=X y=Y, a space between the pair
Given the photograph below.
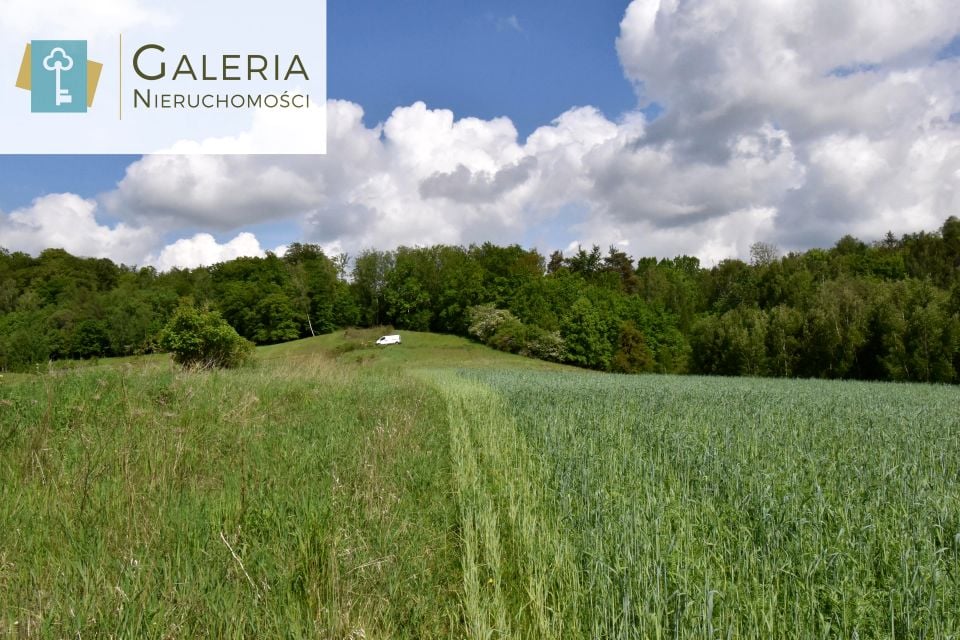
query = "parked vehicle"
x=393 y=339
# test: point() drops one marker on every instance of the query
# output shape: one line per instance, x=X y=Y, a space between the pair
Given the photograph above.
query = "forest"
x=885 y=310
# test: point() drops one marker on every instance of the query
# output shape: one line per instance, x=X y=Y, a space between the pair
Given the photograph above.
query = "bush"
x=545 y=345
x=485 y=320
x=500 y=329
x=204 y=339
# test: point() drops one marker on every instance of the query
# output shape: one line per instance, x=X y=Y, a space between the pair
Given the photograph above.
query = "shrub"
x=545 y=345
x=510 y=336
x=500 y=329
x=204 y=339
x=485 y=320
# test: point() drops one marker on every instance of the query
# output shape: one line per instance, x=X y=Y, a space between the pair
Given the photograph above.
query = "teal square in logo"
x=58 y=76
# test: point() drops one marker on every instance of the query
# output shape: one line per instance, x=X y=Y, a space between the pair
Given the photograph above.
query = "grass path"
x=520 y=578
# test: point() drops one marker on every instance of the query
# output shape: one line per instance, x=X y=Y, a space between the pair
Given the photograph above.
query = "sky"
x=659 y=126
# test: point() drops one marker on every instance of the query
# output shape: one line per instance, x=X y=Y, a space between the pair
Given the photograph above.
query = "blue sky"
x=527 y=60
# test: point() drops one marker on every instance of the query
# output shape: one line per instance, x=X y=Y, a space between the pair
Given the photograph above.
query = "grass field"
x=440 y=489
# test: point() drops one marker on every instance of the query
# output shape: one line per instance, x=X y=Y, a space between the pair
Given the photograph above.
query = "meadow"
x=441 y=489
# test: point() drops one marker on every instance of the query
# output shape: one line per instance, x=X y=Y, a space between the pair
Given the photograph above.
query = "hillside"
x=419 y=349
x=888 y=310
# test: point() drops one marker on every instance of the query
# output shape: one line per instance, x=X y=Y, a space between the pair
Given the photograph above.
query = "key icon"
x=58 y=61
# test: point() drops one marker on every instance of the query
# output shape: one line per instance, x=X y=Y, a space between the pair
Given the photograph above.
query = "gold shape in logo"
x=94 y=69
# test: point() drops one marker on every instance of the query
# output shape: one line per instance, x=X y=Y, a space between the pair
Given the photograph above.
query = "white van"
x=394 y=339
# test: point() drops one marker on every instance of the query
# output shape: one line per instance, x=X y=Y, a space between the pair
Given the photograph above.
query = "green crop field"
x=439 y=489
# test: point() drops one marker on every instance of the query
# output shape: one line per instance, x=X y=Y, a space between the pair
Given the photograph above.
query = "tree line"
x=887 y=310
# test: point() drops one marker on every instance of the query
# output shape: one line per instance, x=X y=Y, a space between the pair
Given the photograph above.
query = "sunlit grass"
x=298 y=499
x=336 y=489
x=718 y=507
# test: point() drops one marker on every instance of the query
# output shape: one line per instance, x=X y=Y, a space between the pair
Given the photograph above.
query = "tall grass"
x=299 y=500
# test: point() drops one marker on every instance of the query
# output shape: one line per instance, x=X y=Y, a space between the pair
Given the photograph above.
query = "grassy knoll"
x=419 y=350
x=441 y=489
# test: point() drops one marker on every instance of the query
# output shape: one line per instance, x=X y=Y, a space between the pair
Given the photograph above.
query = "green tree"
x=89 y=339
x=370 y=271
x=733 y=344
x=408 y=304
x=950 y=233
x=584 y=263
x=633 y=355
x=837 y=328
x=313 y=287
x=584 y=333
x=203 y=339
x=277 y=321
x=920 y=334
x=24 y=340
x=784 y=338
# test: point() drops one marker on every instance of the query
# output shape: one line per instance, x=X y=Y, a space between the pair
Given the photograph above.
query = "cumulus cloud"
x=649 y=183
x=467 y=186
x=787 y=122
x=67 y=221
x=217 y=192
x=366 y=190
x=203 y=250
x=420 y=177
x=854 y=91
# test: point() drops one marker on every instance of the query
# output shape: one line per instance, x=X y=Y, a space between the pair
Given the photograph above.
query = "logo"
x=232 y=79
x=58 y=76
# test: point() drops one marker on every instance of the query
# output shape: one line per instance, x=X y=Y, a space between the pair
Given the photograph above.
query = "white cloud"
x=710 y=240
x=848 y=104
x=298 y=129
x=651 y=184
x=787 y=122
x=203 y=250
x=509 y=23
x=68 y=222
x=31 y=19
x=367 y=190
x=218 y=192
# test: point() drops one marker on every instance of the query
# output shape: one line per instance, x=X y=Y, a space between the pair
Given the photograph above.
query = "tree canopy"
x=887 y=310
